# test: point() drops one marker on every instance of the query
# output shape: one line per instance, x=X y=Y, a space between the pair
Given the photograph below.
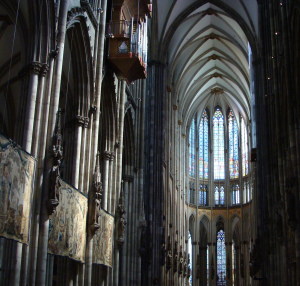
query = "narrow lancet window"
x=233 y=146
x=221 y=258
x=218 y=121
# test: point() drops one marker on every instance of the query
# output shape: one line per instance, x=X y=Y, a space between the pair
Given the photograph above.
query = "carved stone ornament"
x=175 y=257
x=169 y=253
x=185 y=265
x=122 y=221
x=57 y=154
x=189 y=270
x=97 y=192
x=180 y=266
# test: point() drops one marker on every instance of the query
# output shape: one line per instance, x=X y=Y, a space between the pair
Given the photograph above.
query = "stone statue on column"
x=57 y=155
x=175 y=257
x=169 y=253
x=180 y=267
x=97 y=193
x=122 y=221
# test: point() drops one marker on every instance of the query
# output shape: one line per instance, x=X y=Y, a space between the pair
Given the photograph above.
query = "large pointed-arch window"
x=244 y=148
x=233 y=146
x=192 y=150
x=221 y=258
x=218 y=122
x=203 y=146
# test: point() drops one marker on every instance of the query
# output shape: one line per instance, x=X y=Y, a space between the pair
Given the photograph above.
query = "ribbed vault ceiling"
x=206 y=47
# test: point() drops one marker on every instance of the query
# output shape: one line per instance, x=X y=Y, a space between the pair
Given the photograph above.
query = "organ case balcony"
x=128 y=48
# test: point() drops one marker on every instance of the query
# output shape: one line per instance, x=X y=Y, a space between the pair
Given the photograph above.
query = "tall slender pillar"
x=79 y=121
x=44 y=222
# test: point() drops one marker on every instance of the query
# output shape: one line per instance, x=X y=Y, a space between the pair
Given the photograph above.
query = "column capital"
x=35 y=68
x=108 y=155
x=79 y=120
x=86 y=122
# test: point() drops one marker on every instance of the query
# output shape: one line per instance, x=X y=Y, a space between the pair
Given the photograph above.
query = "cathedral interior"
x=149 y=142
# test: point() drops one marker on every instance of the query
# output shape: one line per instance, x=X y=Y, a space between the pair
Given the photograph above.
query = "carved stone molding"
x=86 y=122
x=108 y=155
x=214 y=57
x=121 y=221
x=35 y=68
x=169 y=254
x=87 y=7
x=217 y=90
x=79 y=120
x=175 y=257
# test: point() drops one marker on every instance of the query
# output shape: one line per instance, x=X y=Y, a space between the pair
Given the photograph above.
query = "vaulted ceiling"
x=206 y=46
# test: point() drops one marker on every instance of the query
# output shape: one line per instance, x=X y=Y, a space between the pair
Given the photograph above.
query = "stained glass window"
x=222 y=196
x=190 y=252
x=218 y=130
x=203 y=146
x=244 y=148
x=235 y=189
x=216 y=195
x=192 y=149
x=221 y=258
x=203 y=195
x=233 y=146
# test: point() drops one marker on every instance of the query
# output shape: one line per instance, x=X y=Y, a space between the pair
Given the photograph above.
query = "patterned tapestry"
x=16 y=185
x=67 y=227
x=103 y=240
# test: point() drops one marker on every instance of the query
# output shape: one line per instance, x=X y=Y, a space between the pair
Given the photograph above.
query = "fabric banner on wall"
x=103 y=240
x=67 y=227
x=16 y=184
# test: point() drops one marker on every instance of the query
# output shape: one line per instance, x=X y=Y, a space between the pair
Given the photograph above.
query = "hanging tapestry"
x=16 y=184
x=67 y=226
x=103 y=240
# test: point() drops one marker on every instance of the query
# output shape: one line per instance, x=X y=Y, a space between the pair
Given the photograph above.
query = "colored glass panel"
x=221 y=258
x=203 y=147
x=233 y=146
x=218 y=130
x=244 y=148
x=216 y=195
x=203 y=195
x=222 y=196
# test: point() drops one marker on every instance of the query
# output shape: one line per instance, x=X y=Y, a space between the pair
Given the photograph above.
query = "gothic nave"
x=149 y=142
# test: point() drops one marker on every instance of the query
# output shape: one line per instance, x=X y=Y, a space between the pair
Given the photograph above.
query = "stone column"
x=44 y=222
x=107 y=155
x=79 y=121
x=123 y=280
x=42 y=70
x=83 y=157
